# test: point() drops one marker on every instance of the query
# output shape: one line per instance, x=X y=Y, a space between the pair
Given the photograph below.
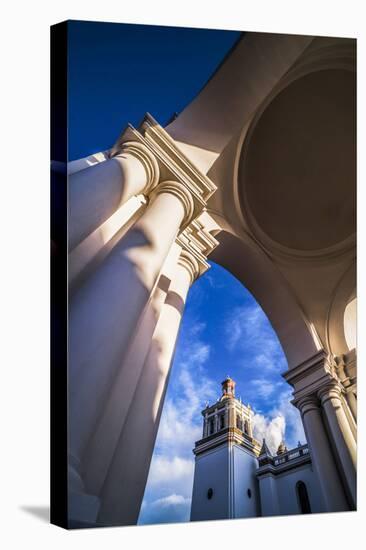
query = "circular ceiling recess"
x=298 y=173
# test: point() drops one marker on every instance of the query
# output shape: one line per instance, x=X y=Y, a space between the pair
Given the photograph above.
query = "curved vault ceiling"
x=298 y=173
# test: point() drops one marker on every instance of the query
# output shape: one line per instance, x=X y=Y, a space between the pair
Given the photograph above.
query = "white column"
x=124 y=488
x=95 y=193
x=101 y=448
x=88 y=254
x=80 y=164
x=105 y=311
x=321 y=455
x=352 y=401
x=341 y=435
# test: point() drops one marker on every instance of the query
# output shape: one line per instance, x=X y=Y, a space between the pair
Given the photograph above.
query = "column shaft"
x=74 y=166
x=105 y=311
x=125 y=484
x=352 y=402
x=342 y=437
x=96 y=192
x=100 y=450
x=90 y=253
x=322 y=458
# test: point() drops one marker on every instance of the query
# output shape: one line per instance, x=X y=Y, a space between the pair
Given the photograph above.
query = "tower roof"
x=264 y=449
x=282 y=448
x=228 y=388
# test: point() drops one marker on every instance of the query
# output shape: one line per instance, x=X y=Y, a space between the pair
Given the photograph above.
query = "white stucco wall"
x=279 y=496
x=211 y=471
x=270 y=505
x=243 y=469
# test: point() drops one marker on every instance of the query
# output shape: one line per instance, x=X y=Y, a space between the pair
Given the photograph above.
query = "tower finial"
x=282 y=448
x=228 y=387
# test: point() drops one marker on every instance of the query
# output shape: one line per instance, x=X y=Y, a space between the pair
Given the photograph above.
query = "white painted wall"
x=243 y=471
x=279 y=495
x=270 y=505
x=211 y=470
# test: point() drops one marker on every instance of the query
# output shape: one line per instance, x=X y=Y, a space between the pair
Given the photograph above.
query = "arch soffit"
x=336 y=55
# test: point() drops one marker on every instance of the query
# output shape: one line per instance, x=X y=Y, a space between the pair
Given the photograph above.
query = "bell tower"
x=225 y=484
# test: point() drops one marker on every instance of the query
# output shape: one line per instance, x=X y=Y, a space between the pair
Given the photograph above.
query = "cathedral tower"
x=225 y=484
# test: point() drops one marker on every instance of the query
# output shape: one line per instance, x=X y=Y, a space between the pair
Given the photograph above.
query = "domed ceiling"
x=297 y=174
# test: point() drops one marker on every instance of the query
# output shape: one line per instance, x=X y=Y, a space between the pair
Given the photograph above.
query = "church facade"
x=237 y=477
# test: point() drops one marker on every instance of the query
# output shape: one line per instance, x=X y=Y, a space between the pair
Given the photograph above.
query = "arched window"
x=303 y=497
x=350 y=324
x=246 y=427
x=238 y=422
x=211 y=426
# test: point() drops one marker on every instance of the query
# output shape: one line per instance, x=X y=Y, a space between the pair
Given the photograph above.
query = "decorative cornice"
x=346 y=367
x=280 y=464
x=147 y=159
x=187 y=260
x=225 y=436
x=198 y=243
x=173 y=164
x=313 y=380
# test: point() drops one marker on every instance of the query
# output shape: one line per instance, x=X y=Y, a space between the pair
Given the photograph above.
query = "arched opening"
x=224 y=330
x=239 y=423
x=350 y=324
x=303 y=498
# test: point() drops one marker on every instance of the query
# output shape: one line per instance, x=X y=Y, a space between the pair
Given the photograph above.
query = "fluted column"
x=341 y=435
x=104 y=312
x=125 y=484
x=321 y=454
x=95 y=193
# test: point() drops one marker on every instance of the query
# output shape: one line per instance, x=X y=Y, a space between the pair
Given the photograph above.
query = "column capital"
x=189 y=262
x=181 y=192
x=198 y=243
x=147 y=159
x=330 y=391
x=311 y=376
x=307 y=404
x=173 y=163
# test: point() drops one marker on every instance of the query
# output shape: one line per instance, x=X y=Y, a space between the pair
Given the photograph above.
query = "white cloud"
x=270 y=429
x=171 y=500
x=282 y=422
x=264 y=388
x=169 y=509
x=294 y=427
x=177 y=470
x=249 y=330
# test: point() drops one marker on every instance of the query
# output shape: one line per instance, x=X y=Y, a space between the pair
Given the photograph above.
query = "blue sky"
x=116 y=74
